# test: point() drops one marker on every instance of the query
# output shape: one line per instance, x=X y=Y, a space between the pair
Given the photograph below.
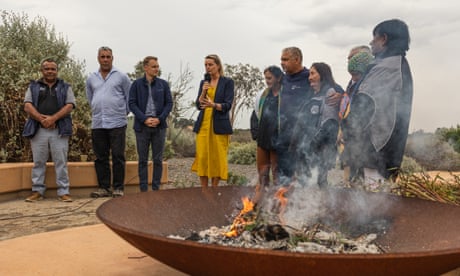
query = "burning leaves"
x=280 y=197
x=245 y=218
x=315 y=239
x=255 y=227
x=322 y=239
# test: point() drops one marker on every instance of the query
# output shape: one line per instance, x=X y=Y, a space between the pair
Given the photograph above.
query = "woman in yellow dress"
x=213 y=126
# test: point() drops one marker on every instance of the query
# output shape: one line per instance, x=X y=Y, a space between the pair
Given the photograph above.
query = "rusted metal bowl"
x=423 y=237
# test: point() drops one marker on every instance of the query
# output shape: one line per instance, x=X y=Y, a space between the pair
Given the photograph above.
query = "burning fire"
x=247 y=216
x=280 y=195
x=244 y=218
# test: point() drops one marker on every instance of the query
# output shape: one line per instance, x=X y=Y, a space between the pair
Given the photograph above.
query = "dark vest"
x=64 y=124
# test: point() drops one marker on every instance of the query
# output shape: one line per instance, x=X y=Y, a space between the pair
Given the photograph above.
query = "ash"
x=315 y=239
x=310 y=221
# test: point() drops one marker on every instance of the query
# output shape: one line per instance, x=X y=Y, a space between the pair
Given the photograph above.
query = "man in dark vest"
x=49 y=102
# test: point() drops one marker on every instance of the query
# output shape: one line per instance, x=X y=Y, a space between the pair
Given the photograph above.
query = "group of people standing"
x=301 y=118
x=111 y=96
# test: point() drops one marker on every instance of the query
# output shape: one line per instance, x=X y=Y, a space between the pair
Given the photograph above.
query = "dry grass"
x=438 y=186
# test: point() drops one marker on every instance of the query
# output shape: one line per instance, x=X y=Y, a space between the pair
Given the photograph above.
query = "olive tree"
x=249 y=81
x=179 y=89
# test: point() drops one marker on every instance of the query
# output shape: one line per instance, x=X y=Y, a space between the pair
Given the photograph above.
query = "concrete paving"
x=87 y=250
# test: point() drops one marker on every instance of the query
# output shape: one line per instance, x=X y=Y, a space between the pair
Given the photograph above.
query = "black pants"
x=286 y=166
x=150 y=137
x=104 y=141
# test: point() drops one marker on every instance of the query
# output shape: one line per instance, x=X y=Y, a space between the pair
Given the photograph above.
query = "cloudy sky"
x=182 y=32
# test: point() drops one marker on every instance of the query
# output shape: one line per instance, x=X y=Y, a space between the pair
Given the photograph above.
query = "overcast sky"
x=255 y=32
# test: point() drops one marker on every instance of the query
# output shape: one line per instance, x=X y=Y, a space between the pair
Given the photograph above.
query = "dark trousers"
x=286 y=166
x=155 y=138
x=104 y=141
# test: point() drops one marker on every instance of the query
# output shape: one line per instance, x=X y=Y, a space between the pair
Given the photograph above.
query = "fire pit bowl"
x=423 y=237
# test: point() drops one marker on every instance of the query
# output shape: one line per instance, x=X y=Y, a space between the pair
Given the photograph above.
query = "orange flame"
x=241 y=220
x=280 y=195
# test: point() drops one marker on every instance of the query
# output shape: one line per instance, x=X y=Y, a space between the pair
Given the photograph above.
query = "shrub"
x=130 y=150
x=168 y=152
x=236 y=179
x=242 y=136
x=431 y=152
x=242 y=153
x=182 y=141
x=409 y=165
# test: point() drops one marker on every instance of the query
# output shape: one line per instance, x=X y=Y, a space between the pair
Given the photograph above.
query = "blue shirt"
x=150 y=110
x=108 y=99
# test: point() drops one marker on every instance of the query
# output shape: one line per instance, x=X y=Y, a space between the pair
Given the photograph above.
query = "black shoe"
x=100 y=193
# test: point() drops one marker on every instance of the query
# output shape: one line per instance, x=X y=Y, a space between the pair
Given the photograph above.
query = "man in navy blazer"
x=151 y=102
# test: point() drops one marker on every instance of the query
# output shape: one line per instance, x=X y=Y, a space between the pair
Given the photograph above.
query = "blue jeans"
x=44 y=142
x=105 y=140
x=154 y=137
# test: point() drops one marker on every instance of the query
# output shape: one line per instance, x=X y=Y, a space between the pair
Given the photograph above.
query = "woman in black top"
x=267 y=114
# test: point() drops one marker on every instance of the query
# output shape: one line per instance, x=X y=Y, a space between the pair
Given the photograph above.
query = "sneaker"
x=65 y=198
x=117 y=193
x=35 y=196
x=100 y=193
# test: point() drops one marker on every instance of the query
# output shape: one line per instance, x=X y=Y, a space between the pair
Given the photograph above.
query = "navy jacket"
x=138 y=97
x=220 y=118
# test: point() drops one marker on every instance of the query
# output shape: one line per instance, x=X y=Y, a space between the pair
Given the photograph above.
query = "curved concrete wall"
x=16 y=177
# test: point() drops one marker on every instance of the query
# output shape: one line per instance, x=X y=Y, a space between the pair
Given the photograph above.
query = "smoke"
x=353 y=210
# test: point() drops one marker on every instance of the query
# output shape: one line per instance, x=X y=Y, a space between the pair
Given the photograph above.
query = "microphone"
x=207 y=77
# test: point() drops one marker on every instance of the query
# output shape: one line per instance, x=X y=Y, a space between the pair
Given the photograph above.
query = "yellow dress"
x=211 y=149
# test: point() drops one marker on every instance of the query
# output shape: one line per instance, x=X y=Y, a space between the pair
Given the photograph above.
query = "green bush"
x=130 y=150
x=182 y=141
x=431 y=152
x=168 y=152
x=410 y=165
x=242 y=153
x=236 y=179
x=242 y=136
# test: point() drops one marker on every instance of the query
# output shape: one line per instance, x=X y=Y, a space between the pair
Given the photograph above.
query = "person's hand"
x=206 y=102
x=48 y=121
x=156 y=122
x=151 y=122
x=334 y=99
x=204 y=90
x=206 y=86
